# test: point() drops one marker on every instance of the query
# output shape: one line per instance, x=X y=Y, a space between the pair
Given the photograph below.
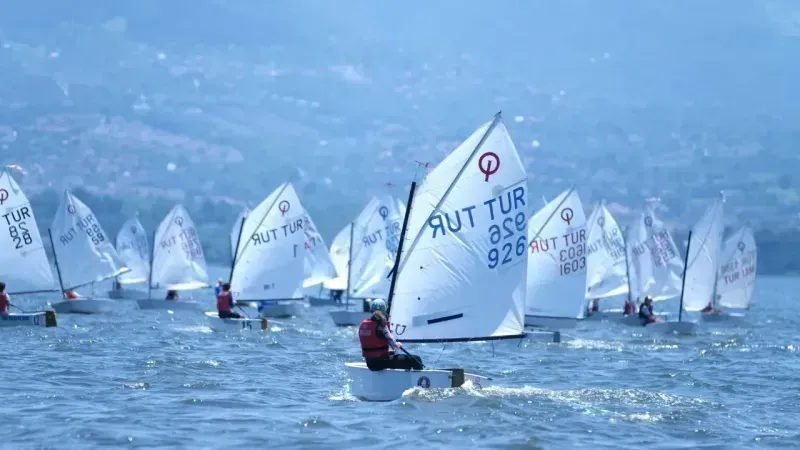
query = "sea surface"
x=147 y=379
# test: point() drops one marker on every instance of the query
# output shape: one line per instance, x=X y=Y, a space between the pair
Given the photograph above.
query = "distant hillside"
x=627 y=100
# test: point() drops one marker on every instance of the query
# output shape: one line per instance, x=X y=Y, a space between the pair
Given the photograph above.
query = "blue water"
x=144 y=379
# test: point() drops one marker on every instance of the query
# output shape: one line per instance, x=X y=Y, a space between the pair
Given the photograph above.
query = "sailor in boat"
x=225 y=304
x=117 y=285
x=5 y=300
x=709 y=309
x=593 y=307
x=172 y=295
x=336 y=295
x=70 y=294
x=218 y=287
x=378 y=346
x=646 y=313
x=629 y=309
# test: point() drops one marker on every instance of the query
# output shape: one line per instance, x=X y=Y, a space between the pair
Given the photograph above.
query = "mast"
x=349 y=267
x=55 y=259
x=236 y=250
x=628 y=270
x=685 y=268
x=150 y=272
x=400 y=247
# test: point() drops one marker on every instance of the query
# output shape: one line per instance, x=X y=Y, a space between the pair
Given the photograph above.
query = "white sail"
x=463 y=263
x=557 y=259
x=84 y=250
x=237 y=226
x=134 y=249
x=23 y=261
x=737 y=270
x=655 y=264
x=704 y=249
x=270 y=258
x=375 y=237
x=340 y=255
x=606 y=272
x=178 y=259
x=317 y=264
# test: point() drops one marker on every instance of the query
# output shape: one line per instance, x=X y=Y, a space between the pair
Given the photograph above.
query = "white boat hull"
x=172 y=305
x=672 y=327
x=125 y=294
x=348 y=318
x=218 y=324
x=83 y=306
x=34 y=319
x=315 y=301
x=725 y=316
x=281 y=309
x=390 y=384
x=551 y=323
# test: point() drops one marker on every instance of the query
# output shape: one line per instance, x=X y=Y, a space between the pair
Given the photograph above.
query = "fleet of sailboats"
x=469 y=259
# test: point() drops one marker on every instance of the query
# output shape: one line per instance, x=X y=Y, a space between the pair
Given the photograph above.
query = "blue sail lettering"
x=453 y=224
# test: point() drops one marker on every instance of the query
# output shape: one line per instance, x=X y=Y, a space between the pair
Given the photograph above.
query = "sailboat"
x=84 y=256
x=269 y=263
x=317 y=264
x=655 y=266
x=453 y=279
x=133 y=248
x=374 y=239
x=736 y=277
x=702 y=256
x=178 y=262
x=556 y=277
x=340 y=256
x=606 y=263
x=23 y=261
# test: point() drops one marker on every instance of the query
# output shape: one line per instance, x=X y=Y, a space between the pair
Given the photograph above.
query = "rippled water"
x=155 y=379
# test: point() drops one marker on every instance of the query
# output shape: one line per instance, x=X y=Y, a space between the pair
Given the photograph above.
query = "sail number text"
x=18 y=229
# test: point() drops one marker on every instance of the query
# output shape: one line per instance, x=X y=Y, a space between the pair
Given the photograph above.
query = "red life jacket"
x=4 y=303
x=708 y=308
x=71 y=295
x=224 y=301
x=372 y=345
x=629 y=308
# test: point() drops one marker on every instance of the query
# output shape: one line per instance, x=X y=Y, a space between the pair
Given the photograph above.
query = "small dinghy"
x=555 y=281
x=371 y=242
x=134 y=249
x=607 y=280
x=33 y=319
x=390 y=384
x=83 y=256
x=246 y=323
x=457 y=281
x=24 y=267
x=177 y=264
x=701 y=264
x=268 y=265
x=345 y=318
x=736 y=278
x=655 y=268
x=317 y=264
